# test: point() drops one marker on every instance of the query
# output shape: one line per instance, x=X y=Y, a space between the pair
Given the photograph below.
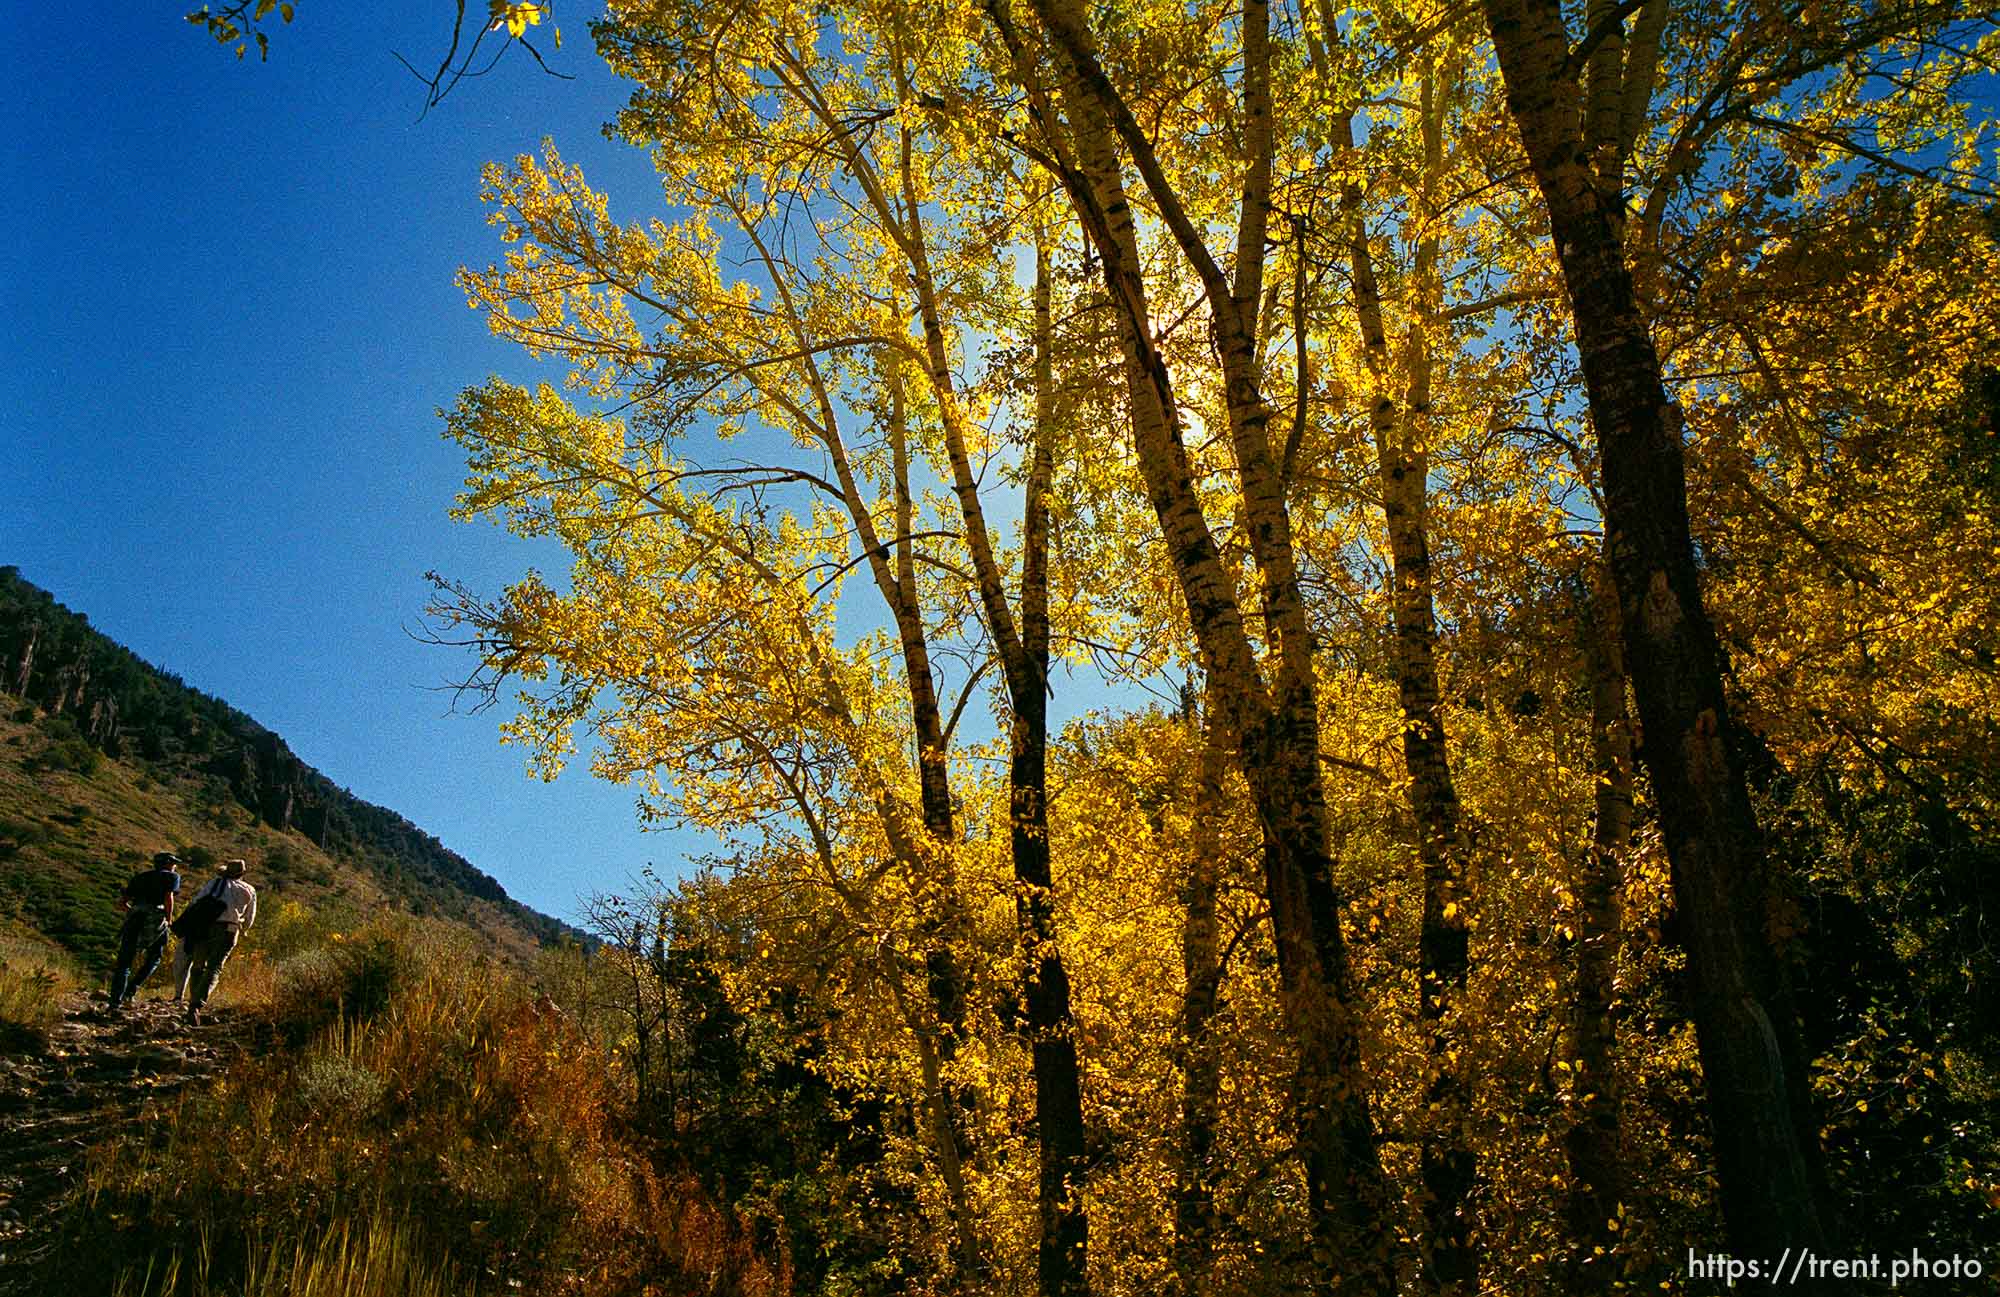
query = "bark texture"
x=1273 y=725
x=1766 y=1147
x=1402 y=432
x=1596 y=1161
x=1201 y=1068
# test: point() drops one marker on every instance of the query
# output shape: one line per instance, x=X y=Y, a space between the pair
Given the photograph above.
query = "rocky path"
x=100 y=1074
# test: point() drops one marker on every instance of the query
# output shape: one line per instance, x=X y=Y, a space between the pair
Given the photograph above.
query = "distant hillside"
x=190 y=772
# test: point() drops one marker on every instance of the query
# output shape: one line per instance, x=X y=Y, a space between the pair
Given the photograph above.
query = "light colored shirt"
x=239 y=901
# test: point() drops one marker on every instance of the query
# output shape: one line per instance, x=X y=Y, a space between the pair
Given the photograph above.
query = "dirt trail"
x=100 y=1075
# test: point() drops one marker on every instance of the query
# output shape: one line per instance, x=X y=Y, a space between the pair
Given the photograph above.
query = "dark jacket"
x=153 y=888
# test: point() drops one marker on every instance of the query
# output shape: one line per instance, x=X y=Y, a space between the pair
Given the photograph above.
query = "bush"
x=348 y=978
x=73 y=755
x=17 y=834
x=333 y=1086
x=65 y=749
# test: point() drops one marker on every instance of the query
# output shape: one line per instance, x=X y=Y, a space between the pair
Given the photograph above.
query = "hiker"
x=197 y=917
x=193 y=922
x=227 y=909
x=148 y=901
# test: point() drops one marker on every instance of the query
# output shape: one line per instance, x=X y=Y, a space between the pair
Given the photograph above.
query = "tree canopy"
x=1542 y=463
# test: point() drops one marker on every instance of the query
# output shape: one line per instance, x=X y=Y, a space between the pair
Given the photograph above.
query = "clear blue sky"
x=230 y=320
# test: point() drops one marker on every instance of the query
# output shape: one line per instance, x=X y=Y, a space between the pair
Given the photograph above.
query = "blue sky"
x=230 y=320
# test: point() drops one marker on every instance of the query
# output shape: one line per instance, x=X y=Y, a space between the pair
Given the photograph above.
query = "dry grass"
x=423 y=1087
x=34 y=978
x=68 y=841
x=374 y=1256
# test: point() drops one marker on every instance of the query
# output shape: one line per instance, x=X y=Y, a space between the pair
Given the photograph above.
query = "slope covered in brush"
x=111 y=758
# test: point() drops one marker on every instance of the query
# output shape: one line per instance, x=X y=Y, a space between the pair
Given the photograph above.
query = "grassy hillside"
x=73 y=830
x=106 y=759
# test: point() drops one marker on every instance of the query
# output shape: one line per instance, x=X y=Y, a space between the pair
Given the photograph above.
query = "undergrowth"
x=34 y=977
x=425 y=1128
x=372 y=1256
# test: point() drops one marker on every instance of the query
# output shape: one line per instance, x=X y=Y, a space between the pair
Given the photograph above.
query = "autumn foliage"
x=1331 y=650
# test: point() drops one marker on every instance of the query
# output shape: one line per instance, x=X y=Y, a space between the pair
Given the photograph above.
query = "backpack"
x=197 y=921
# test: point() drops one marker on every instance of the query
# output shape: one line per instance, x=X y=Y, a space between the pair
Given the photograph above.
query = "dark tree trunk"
x=946 y=923
x=1023 y=650
x=1402 y=434
x=1766 y=1147
x=1592 y=1145
x=1448 y=1167
x=1345 y=1188
x=943 y=978
x=1063 y=1258
x=1201 y=1071
x=1274 y=724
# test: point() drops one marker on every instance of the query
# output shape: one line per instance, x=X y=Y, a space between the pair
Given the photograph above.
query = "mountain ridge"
x=200 y=769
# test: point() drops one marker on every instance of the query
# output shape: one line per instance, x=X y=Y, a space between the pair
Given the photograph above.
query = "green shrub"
x=73 y=755
x=64 y=748
x=60 y=729
x=334 y=1087
x=349 y=978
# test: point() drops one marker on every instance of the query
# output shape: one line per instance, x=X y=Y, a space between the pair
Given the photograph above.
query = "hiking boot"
x=194 y=1017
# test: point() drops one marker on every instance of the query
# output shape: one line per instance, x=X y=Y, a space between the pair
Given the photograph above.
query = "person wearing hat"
x=148 y=902
x=206 y=951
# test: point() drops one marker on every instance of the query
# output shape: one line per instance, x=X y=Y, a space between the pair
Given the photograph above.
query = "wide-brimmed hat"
x=165 y=860
x=234 y=868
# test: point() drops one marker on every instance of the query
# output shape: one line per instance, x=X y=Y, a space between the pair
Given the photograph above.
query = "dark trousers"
x=141 y=942
x=206 y=958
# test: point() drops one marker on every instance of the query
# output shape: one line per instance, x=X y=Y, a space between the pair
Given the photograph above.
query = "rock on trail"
x=100 y=1074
